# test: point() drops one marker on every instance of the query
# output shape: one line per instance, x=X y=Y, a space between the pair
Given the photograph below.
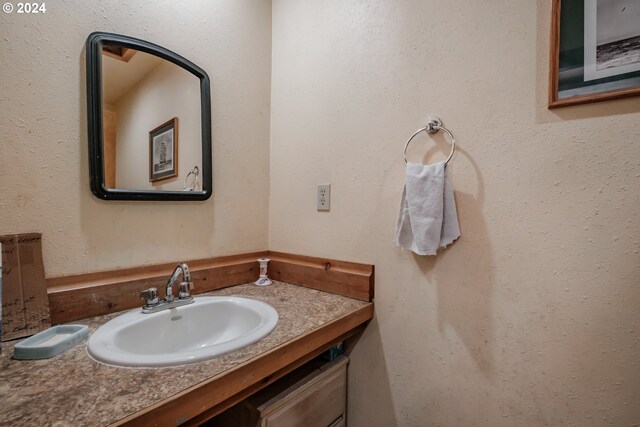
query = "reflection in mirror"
x=147 y=102
x=149 y=121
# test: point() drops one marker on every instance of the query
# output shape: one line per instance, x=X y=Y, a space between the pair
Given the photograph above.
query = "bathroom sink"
x=207 y=328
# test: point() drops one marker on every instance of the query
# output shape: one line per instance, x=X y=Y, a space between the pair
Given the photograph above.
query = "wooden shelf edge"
x=365 y=270
x=87 y=295
x=212 y=396
x=105 y=278
x=79 y=301
x=349 y=279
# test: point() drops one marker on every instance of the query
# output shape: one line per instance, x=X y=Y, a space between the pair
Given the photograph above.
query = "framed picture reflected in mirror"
x=163 y=151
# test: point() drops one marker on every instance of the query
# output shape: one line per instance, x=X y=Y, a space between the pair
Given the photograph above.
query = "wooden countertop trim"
x=212 y=396
x=102 y=278
x=336 y=265
x=87 y=295
x=344 y=278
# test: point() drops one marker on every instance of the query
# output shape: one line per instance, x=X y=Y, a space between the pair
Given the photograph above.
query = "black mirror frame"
x=94 y=120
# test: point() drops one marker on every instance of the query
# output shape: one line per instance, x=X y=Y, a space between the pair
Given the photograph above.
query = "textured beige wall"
x=533 y=317
x=44 y=183
x=166 y=92
x=530 y=319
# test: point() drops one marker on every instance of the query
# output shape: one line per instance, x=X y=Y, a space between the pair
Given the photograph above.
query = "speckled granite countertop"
x=72 y=389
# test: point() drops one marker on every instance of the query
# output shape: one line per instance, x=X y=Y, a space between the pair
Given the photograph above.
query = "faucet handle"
x=150 y=296
x=184 y=291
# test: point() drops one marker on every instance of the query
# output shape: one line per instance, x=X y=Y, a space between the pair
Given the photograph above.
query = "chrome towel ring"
x=433 y=126
x=194 y=182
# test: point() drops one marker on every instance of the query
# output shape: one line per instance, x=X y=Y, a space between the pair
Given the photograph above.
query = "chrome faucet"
x=153 y=303
x=185 y=286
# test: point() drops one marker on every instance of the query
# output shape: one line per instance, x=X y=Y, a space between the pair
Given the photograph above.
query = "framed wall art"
x=163 y=151
x=595 y=51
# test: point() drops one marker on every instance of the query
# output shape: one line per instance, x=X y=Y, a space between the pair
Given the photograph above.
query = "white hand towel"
x=428 y=220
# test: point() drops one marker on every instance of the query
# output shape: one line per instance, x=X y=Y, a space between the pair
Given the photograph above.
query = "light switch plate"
x=324 y=197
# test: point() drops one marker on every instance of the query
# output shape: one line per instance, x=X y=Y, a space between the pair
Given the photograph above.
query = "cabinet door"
x=319 y=406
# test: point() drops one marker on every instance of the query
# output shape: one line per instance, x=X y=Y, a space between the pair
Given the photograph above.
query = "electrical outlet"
x=324 y=197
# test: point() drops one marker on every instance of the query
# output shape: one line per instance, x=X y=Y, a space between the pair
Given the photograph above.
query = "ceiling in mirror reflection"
x=119 y=76
x=142 y=93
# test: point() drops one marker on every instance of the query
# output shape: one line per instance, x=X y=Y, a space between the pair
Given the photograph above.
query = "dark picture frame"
x=593 y=51
x=163 y=151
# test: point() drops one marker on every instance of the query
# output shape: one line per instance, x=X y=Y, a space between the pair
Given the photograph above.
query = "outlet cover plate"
x=324 y=197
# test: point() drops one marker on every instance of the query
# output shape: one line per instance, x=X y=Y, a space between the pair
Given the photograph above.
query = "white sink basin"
x=209 y=327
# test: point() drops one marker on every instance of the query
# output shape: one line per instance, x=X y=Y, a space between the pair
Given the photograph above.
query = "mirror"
x=149 y=118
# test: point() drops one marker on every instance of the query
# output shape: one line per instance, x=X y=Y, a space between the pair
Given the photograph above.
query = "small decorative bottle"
x=263 y=280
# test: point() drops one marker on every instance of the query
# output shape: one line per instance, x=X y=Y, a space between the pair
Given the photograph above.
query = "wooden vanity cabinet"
x=315 y=395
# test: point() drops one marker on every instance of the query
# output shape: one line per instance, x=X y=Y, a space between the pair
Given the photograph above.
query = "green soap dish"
x=50 y=342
